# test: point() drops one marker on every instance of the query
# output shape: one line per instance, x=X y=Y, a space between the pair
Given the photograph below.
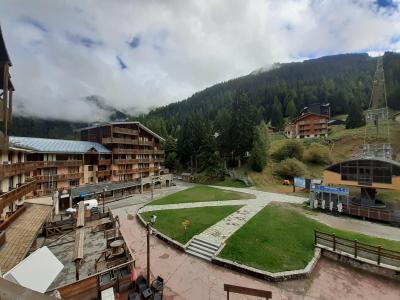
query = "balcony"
x=125 y=172
x=132 y=151
x=103 y=173
x=58 y=163
x=59 y=177
x=158 y=151
x=126 y=161
x=125 y=131
x=16 y=168
x=104 y=162
x=17 y=193
x=114 y=140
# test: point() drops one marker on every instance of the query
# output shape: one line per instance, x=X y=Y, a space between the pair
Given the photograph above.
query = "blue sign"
x=329 y=189
x=300 y=182
x=82 y=194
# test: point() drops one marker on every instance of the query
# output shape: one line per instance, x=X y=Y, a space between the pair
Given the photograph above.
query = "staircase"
x=202 y=249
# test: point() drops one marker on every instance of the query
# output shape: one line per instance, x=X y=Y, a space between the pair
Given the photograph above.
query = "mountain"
x=337 y=79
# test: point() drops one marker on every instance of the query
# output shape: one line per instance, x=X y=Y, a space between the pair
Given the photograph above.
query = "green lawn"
x=200 y=194
x=169 y=222
x=281 y=239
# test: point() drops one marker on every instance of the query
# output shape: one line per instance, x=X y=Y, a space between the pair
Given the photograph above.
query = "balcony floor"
x=21 y=234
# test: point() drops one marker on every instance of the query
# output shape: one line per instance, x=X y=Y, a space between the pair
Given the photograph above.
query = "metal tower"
x=377 y=134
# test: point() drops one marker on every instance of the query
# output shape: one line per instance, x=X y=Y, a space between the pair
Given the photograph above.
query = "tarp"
x=37 y=271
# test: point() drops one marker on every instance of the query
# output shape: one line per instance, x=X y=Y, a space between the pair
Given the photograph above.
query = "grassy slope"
x=169 y=222
x=344 y=143
x=201 y=193
x=281 y=239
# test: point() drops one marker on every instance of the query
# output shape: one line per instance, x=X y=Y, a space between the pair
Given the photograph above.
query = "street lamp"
x=104 y=197
x=148 y=226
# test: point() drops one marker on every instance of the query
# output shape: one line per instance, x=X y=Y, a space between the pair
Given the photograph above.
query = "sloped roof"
x=57 y=146
x=123 y=123
x=306 y=115
x=3 y=50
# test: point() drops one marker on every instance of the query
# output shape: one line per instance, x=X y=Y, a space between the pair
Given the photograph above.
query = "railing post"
x=355 y=248
x=315 y=237
x=379 y=255
x=334 y=242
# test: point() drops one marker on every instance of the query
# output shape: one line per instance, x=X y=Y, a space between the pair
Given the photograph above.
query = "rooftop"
x=57 y=146
x=123 y=123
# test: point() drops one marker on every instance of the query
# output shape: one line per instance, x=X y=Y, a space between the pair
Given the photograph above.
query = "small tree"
x=290 y=168
x=291 y=110
x=318 y=154
x=356 y=117
x=288 y=149
x=259 y=152
x=277 y=116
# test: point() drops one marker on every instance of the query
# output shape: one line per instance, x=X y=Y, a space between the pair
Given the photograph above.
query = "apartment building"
x=136 y=150
x=308 y=125
x=62 y=164
x=15 y=180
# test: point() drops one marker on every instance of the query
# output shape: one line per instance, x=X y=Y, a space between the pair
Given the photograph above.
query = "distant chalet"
x=312 y=122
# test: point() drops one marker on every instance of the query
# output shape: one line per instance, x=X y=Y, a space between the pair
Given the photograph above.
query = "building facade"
x=62 y=164
x=136 y=150
x=308 y=125
x=15 y=179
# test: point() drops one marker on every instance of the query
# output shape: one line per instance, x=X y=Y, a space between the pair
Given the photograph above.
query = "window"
x=90 y=168
x=74 y=182
x=90 y=179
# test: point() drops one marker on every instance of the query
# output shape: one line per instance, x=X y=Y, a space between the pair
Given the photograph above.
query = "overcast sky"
x=141 y=54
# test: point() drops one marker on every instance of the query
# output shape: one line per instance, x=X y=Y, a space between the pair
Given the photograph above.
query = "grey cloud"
x=169 y=49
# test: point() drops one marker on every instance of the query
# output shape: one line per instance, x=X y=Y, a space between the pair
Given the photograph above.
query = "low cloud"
x=144 y=54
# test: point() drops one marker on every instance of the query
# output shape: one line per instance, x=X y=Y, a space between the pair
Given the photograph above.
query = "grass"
x=231 y=182
x=280 y=239
x=201 y=194
x=169 y=222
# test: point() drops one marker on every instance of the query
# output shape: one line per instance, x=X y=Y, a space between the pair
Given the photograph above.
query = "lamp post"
x=148 y=226
x=104 y=197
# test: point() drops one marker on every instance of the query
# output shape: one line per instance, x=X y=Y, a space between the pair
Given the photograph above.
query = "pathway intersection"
x=209 y=242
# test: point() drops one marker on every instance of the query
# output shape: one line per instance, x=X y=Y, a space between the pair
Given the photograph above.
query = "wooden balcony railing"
x=59 y=177
x=125 y=130
x=105 y=162
x=58 y=163
x=126 y=161
x=17 y=193
x=16 y=168
x=125 y=172
x=132 y=151
x=158 y=151
x=103 y=173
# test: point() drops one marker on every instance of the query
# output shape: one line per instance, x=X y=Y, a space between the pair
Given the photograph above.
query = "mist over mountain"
x=338 y=79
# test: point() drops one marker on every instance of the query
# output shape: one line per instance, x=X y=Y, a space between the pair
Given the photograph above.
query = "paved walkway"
x=21 y=234
x=222 y=230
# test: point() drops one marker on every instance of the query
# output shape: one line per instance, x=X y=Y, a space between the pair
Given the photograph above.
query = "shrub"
x=318 y=154
x=288 y=149
x=290 y=167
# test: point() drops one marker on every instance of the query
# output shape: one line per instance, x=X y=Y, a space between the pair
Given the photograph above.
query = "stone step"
x=197 y=249
x=202 y=248
x=208 y=258
x=205 y=244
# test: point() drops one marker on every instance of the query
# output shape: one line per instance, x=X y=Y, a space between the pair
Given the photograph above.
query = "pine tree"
x=356 y=117
x=259 y=152
x=277 y=116
x=243 y=119
x=291 y=110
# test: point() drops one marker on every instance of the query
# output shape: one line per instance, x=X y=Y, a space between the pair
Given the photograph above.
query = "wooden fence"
x=357 y=249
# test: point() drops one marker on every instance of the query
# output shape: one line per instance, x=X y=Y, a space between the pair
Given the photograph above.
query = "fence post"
x=379 y=255
x=355 y=248
x=315 y=237
x=334 y=242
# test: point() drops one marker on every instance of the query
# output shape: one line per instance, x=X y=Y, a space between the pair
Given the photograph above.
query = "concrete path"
x=221 y=231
